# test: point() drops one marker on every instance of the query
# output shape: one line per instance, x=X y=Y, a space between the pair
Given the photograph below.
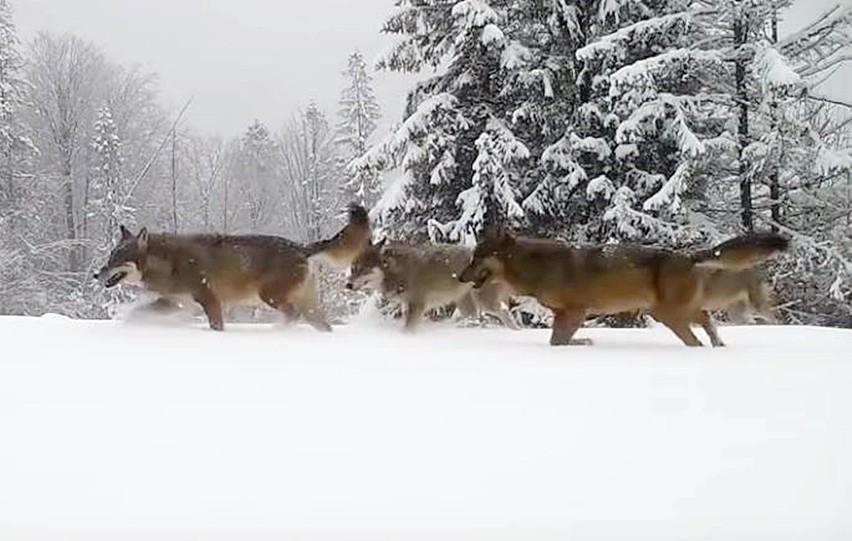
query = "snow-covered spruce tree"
x=491 y=196
x=17 y=274
x=359 y=112
x=502 y=67
x=258 y=168
x=697 y=123
x=106 y=188
x=647 y=122
x=106 y=209
x=15 y=146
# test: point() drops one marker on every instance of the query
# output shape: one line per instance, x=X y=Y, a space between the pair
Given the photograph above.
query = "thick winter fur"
x=424 y=277
x=574 y=282
x=222 y=270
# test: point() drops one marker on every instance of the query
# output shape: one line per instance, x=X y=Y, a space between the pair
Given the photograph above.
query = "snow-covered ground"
x=113 y=431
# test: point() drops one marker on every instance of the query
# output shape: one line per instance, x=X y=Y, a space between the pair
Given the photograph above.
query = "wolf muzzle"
x=110 y=278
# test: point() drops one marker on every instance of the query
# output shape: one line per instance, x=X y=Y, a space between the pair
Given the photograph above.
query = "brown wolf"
x=214 y=270
x=424 y=277
x=574 y=282
x=737 y=292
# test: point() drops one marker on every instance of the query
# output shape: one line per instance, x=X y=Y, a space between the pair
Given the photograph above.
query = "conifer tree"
x=359 y=113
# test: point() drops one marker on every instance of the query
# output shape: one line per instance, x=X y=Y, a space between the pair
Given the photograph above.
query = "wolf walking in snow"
x=423 y=277
x=737 y=292
x=574 y=282
x=217 y=270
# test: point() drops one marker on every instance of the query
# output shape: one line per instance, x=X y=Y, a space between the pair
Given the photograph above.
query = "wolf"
x=576 y=281
x=424 y=277
x=739 y=293
x=736 y=292
x=215 y=270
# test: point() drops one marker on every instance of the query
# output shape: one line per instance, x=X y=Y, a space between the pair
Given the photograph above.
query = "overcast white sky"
x=247 y=59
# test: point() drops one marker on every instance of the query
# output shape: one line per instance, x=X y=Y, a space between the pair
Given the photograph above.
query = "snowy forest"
x=672 y=123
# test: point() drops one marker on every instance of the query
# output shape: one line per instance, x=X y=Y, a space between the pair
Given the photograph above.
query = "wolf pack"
x=678 y=289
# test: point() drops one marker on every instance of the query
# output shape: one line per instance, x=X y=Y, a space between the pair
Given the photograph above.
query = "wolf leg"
x=704 y=319
x=490 y=299
x=760 y=297
x=466 y=306
x=306 y=302
x=277 y=300
x=678 y=325
x=212 y=308
x=738 y=312
x=413 y=315
x=163 y=305
x=565 y=324
x=505 y=318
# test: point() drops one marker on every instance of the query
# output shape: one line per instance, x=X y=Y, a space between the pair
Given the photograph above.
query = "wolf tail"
x=341 y=249
x=743 y=252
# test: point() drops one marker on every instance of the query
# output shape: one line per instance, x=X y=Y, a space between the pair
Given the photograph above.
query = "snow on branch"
x=643 y=73
x=416 y=125
x=636 y=34
x=773 y=71
x=830 y=161
x=515 y=55
x=475 y=13
x=669 y=194
x=814 y=49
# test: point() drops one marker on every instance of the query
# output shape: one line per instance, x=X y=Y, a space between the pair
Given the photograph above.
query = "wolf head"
x=368 y=269
x=125 y=260
x=488 y=258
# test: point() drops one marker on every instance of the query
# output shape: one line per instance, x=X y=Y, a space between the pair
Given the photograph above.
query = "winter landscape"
x=448 y=125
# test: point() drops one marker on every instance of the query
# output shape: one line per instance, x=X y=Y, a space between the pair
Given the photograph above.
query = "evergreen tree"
x=436 y=144
x=711 y=121
x=17 y=273
x=508 y=64
x=258 y=169
x=359 y=112
x=107 y=186
x=15 y=146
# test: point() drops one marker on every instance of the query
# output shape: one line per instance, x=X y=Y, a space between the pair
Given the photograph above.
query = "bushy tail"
x=743 y=252
x=341 y=249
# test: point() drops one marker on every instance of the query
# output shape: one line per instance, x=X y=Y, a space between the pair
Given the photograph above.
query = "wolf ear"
x=142 y=239
x=125 y=233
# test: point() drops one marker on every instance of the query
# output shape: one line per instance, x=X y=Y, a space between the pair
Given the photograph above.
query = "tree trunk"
x=70 y=218
x=12 y=204
x=740 y=37
x=774 y=181
x=174 y=184
x=225 y=207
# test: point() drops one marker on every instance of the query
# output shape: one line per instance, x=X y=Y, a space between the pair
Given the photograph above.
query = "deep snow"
x=114 y=431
